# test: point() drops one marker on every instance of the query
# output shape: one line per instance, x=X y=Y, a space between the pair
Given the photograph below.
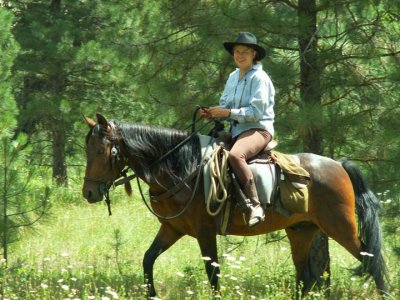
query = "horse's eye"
x=100 y=151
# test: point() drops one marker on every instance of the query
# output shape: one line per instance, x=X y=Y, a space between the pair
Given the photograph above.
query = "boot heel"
x=257 y=215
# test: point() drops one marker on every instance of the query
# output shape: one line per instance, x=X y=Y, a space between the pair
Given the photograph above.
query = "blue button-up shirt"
x=251 y=100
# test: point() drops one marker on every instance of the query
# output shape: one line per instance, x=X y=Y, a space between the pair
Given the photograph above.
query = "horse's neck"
x=161 y=181
x=158 y=183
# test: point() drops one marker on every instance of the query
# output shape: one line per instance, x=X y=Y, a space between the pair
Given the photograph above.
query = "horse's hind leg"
x=344 y=232
x=164 y=239
x=310 y=256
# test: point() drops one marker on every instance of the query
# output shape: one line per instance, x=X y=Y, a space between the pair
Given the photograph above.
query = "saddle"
x=280 y=180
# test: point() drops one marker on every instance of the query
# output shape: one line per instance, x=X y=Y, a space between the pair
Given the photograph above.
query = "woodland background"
x=334 y=64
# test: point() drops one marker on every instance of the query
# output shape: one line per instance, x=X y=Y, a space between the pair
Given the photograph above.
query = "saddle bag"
x=293 y=195
x=293 y=183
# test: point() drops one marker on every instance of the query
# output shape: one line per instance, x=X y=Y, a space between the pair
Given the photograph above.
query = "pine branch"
x=29 y=211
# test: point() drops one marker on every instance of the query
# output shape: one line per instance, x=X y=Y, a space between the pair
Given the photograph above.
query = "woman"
x=248 y=101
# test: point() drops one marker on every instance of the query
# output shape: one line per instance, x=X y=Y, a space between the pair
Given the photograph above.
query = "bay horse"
x=337 y=193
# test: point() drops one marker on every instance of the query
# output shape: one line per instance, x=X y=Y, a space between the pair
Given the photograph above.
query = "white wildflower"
x=235 y=267
x=366 y=254
x=44 y=286
x=113 y=294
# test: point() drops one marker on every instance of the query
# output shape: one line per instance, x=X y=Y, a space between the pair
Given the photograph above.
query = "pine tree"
x=20 y=203
x=8 y=52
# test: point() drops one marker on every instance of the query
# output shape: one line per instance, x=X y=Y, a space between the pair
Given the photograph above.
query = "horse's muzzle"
x=91 y=195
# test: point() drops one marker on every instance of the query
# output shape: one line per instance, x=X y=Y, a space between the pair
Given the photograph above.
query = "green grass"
x=81 y=253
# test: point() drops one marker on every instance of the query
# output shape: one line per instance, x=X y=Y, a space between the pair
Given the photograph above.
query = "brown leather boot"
x=257 y=214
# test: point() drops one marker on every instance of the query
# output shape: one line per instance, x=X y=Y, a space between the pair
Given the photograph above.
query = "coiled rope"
x=219 y=179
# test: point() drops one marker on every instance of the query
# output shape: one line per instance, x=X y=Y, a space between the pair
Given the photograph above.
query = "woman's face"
x=244 y=56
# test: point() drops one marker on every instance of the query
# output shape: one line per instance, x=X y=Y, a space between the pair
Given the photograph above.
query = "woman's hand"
x=215 y=112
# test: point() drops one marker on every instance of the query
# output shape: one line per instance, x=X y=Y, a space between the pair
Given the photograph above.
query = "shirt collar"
x=254 y=68
x=257 y=67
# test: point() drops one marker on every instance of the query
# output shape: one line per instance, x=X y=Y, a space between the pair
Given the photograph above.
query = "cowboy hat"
x=247 y=39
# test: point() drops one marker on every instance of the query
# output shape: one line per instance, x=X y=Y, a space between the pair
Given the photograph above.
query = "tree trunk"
x=310 y=90
x=311 y=109
x=58 y=86
x=59 y=158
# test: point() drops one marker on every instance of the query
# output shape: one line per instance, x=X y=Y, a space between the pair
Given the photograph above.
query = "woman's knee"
x=236 y=156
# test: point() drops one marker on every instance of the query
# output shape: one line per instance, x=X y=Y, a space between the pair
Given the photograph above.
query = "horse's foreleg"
x=208 y=246
x=164 y=239
x=309 y=259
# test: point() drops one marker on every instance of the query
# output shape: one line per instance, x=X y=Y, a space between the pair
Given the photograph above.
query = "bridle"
x=104 y=186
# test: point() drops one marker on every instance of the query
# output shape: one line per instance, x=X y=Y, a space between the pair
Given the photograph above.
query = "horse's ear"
x=101 y=120
x=90 y=122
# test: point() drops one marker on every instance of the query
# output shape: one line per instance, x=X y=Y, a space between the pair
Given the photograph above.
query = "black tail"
x=369 y=228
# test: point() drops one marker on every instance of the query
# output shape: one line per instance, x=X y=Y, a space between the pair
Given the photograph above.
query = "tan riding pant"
x=247 y=145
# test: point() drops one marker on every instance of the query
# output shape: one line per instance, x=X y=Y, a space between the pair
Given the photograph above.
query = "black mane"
x=147 y=144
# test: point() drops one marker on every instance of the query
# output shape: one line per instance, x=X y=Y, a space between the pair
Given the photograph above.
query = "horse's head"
x=104 y=164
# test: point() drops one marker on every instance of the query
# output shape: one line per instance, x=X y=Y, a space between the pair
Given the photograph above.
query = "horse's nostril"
x=89 y=194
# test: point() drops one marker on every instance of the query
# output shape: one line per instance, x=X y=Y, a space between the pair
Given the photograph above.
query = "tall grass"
x=81 y=253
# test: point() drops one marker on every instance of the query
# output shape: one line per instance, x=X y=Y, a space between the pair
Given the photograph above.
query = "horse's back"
x=323 y=170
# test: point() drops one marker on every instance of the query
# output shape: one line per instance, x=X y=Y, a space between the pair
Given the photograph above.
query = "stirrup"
x=258 y=218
